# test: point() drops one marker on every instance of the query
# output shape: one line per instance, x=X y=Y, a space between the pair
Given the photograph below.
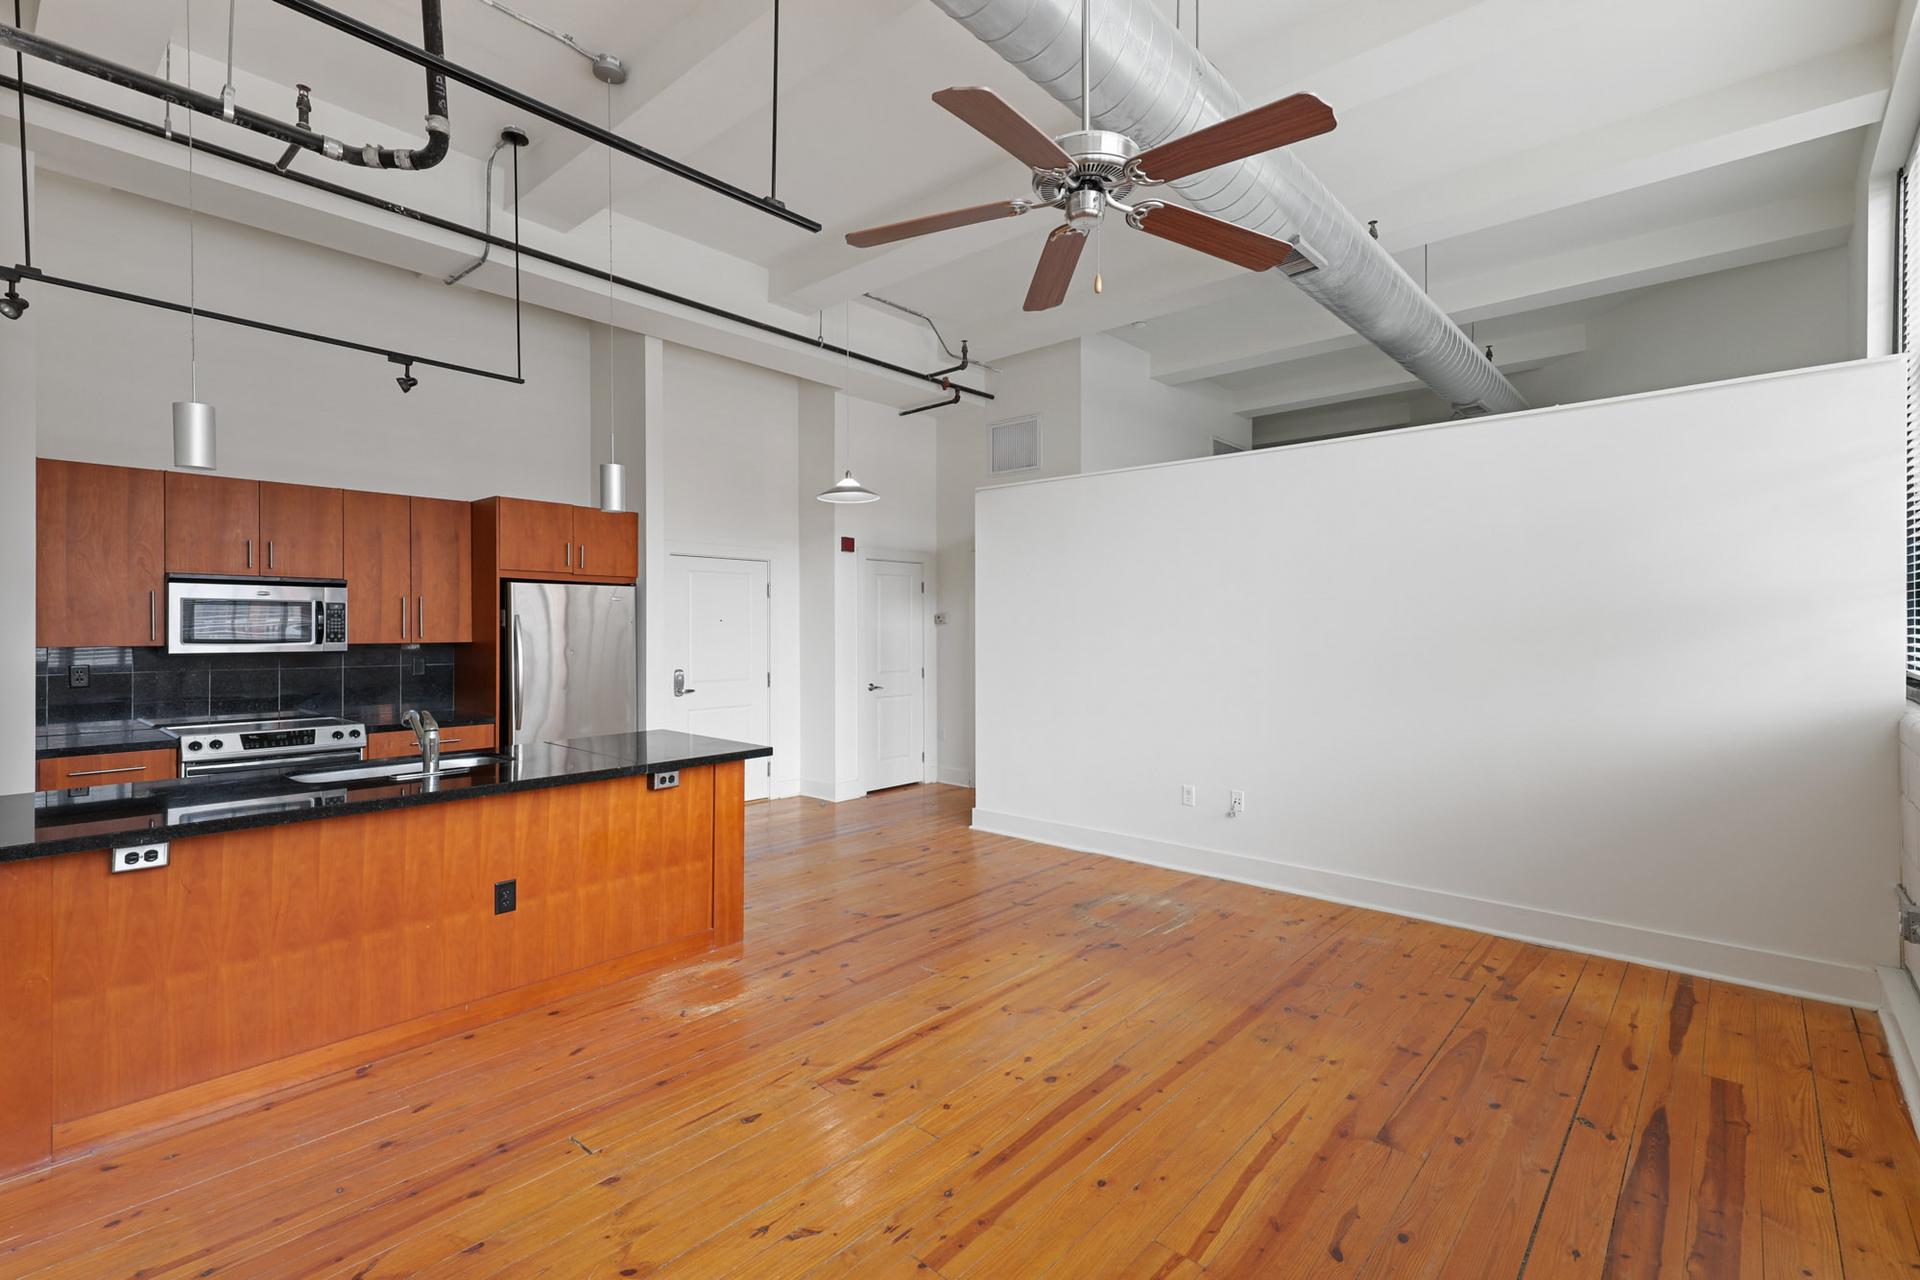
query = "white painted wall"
x=1621 y=676
x=1129 y=420
x=106 y=371
x=1791 y=313
x=18 y=343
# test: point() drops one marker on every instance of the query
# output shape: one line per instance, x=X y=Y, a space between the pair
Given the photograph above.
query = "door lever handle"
x=680 y=689
x=872 y=687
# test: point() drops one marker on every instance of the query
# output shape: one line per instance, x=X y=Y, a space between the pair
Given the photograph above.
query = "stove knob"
x=216 y=744
x=353 y=733
x=337 y=735
x=195 y=745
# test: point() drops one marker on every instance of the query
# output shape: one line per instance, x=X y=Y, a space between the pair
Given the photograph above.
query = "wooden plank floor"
x=940 y=1053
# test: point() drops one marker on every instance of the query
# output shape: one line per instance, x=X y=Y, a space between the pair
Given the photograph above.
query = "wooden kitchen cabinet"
x=101 y=546
x=213 y=524
x=301 y=530
x=455 y=739
x=606 y=544
x=379 y=567
x=63 y=772
x=535 y=537
x=442 y=570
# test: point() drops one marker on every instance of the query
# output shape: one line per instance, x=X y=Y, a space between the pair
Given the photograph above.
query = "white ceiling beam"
x=1360 y=375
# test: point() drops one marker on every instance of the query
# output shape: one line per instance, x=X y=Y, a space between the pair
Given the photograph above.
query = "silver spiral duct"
x=1150 y=83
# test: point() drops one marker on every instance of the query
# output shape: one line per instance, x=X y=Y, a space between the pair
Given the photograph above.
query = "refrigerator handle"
x=519 y=693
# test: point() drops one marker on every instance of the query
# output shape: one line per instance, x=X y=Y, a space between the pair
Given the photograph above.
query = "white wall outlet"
x=140 y=857
x=1186 y=794
x=1236 y=803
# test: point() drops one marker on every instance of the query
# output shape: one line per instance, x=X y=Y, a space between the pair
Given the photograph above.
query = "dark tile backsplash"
x=151 y=684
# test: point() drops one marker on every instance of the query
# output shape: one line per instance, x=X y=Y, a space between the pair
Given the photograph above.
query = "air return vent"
x=1016 y=446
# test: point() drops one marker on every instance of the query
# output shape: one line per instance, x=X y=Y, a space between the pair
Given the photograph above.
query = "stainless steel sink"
x=397 y=770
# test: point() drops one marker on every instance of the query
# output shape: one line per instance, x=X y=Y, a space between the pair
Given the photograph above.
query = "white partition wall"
x=1623 y=676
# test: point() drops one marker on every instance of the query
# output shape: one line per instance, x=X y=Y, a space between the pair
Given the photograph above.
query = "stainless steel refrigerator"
x=570 y=661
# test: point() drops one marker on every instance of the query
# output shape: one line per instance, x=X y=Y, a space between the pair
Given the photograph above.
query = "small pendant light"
x=613 y=476
x=848 y=489
x=193 y=426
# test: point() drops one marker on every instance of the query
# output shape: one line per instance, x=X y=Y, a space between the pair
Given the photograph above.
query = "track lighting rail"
x=533 y=106
x=56 y=98
x=18 y=275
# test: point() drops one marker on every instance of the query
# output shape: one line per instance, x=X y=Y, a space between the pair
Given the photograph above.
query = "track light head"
x=406 y=381
x=13 y=306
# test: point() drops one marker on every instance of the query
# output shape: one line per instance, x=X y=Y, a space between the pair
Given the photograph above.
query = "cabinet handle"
x=249 y=553
x=583 y=556
x=269 y=553
x=94 y=773
x=569 y=555
x=420 y=617
x=403 y=617
x=153 y=628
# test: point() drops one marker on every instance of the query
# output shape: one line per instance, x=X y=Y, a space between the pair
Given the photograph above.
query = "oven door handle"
x=200 y=769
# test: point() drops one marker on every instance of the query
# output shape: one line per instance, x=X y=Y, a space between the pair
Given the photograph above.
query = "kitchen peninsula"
x=298 y=928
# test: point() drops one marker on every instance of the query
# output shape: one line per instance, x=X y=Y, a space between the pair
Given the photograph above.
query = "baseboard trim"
x=1900 y=1016
x=954 y=777
x=832 y=792
x=1809 y=976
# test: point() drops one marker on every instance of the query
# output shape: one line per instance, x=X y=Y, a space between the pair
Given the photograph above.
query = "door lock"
x=680 y=689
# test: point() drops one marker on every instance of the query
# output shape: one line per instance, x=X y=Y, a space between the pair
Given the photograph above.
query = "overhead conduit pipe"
x=294 y=135
x=1151 y=84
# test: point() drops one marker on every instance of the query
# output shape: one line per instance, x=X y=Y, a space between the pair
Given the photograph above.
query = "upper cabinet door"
x=101 y=537
x=378 y=568
x=442 y=571
x=535 y=537
x=303 y=530
x=606 y=544
x=213 y=524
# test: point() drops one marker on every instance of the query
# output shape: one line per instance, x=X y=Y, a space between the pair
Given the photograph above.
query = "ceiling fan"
x=1087 y=172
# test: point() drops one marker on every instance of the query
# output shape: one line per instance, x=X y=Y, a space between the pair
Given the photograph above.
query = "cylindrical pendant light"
x=193 y=429
x=193 y=445
x=613 y=486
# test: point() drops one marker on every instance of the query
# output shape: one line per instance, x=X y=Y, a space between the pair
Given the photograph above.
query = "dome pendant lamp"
x=848 y=489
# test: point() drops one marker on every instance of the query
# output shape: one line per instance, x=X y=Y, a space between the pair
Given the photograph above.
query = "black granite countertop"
x=108 y=737
x=40 y=824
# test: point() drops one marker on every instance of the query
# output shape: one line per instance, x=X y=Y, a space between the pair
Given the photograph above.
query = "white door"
x=718 y=646
x=892 y=674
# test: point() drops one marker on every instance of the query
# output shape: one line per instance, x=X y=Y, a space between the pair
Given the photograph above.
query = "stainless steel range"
x=243 y=743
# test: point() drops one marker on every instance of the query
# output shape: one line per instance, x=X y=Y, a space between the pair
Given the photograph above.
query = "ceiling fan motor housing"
x=1100 y=158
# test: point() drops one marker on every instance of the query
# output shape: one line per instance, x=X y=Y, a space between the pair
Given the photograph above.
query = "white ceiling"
x=1527 y=155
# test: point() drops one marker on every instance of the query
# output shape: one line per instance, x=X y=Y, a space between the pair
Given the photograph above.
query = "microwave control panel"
x=333 y=623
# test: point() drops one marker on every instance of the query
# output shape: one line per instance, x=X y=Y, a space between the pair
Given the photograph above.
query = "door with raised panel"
x=213 y=524
x=101 y=543
x=442 y=571
x=302 y=530
x=535 y=537
x=718 y=638
x=892 y=674
x=606 y=544
x=379 y=572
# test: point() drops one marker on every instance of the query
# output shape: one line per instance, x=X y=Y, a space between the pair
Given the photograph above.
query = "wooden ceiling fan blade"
x=1006 y=128
x=1262 y=129
x=1055 y=272
x=893 y=231
x=1224 y=240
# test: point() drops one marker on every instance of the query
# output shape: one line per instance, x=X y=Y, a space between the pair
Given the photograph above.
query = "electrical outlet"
x=1186 y=794
x=419 y=665
x=79 y=676
x=506 y=896
x=140 y=857
x=1236 y=803
x=661 y=781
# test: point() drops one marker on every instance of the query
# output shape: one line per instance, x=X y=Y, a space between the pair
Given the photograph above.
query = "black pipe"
x=20 y=91
x=58 y=99
x=494 y=89
x=29 y=275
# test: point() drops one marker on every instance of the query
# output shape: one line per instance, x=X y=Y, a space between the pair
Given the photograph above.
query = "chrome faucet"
x=426 y=731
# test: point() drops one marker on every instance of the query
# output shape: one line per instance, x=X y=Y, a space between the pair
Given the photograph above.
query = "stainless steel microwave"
x=256 y=615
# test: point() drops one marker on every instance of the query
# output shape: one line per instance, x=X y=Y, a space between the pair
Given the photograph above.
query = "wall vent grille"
x=1016 y=446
